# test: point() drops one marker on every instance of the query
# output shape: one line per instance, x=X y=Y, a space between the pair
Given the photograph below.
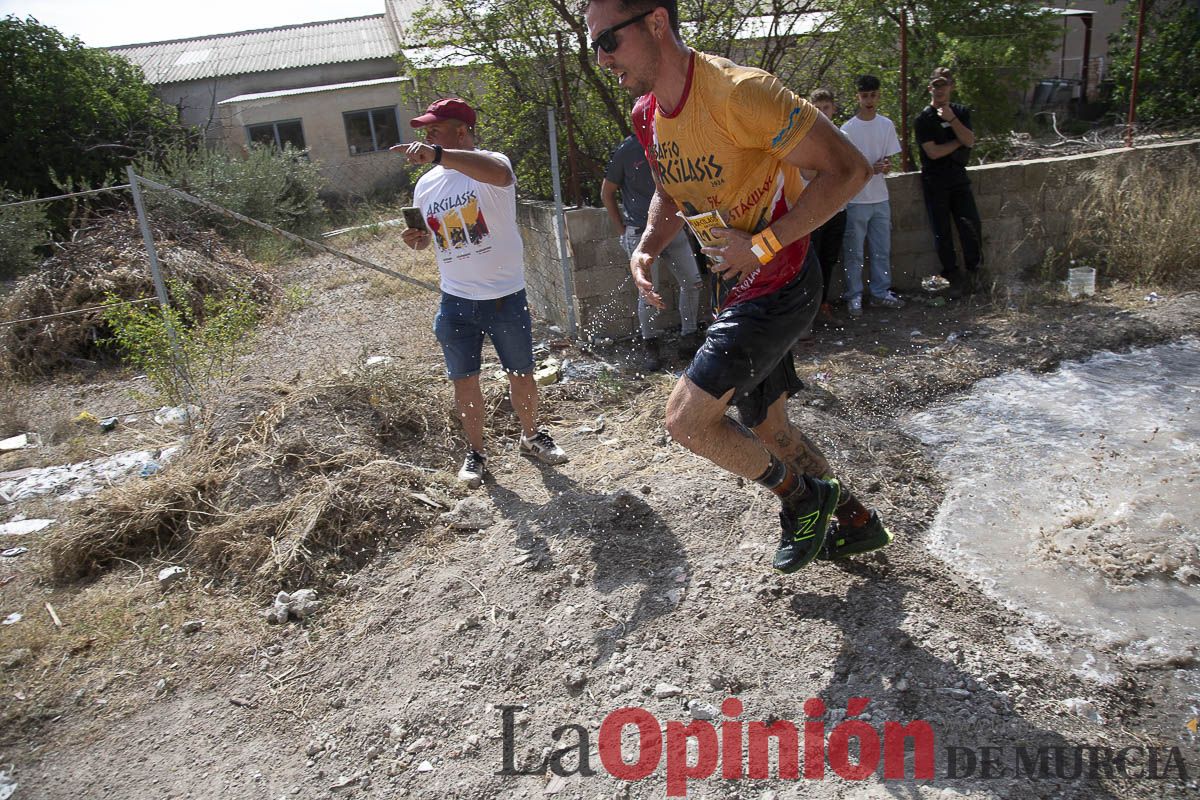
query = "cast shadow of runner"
x=632 y=549
x=874 y=645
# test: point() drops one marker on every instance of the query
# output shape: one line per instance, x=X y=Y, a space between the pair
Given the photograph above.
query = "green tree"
x=995 y=51
x=1168 y=83
x=513 y=49
x=71 y=114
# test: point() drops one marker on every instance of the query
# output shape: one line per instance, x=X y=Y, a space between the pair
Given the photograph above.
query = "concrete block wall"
x=1026 y=207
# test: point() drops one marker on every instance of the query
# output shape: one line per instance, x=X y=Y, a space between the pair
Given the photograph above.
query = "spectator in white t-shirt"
x=469 y=201
x=869 y=214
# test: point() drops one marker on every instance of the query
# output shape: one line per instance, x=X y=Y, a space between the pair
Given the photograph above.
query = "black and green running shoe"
x=844 y=542
x=805 y=524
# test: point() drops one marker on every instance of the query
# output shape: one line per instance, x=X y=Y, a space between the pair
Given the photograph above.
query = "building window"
x=372 y=130
x=280 y=134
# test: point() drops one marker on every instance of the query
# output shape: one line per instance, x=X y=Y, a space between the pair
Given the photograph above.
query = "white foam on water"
x=1076 y=497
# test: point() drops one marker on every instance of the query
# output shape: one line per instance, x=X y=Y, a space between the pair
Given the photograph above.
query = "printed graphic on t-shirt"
x=458 y=222
x=435 y=225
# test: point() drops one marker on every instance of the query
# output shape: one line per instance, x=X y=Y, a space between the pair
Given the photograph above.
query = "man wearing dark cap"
x=944 y=133
x=469 y=202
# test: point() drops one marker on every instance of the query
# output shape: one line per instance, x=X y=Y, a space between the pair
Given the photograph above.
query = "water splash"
x=1074 y=497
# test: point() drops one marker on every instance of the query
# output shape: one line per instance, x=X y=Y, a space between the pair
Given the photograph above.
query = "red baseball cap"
x=446 y=108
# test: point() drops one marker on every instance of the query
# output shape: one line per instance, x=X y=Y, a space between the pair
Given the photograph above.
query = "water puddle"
x=1074 y=496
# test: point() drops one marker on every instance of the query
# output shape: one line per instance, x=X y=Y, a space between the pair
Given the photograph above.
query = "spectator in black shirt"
x=944 y=133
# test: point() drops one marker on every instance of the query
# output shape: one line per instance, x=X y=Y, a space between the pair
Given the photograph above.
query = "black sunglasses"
x=607 y=40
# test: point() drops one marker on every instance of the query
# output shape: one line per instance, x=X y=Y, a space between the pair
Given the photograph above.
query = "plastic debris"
x=13 y=552
x=13 y=618
x=548 y=372
x=8 y=785
x=934 y=283
x=73 y=481
x=19 y=527
x=596 y=427
x=21 y=440
x=378 y=361
x=108 y=423
x=167 y=576
x=150 y=468
x=85 y=418
x=177 y=416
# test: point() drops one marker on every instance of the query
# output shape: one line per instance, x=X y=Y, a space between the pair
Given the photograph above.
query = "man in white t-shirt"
x=469 y=202
x=869 y=214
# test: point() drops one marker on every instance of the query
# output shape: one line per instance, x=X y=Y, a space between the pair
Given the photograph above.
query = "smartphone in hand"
x=414 y=218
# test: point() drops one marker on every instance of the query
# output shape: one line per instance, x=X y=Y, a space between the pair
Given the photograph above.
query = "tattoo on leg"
x=800 y=453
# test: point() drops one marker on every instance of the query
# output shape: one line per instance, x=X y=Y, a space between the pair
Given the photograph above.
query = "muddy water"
x=1076 y=498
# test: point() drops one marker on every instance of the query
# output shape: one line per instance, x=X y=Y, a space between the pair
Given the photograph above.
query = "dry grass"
x=1141 y=226
x=111 y=260
x=282 y=484
x=117 y=636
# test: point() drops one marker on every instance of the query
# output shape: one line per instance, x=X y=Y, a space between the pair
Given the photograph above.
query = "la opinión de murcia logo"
x=736 y=749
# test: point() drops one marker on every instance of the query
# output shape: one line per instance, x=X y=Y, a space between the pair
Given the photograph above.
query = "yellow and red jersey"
x=722 y=149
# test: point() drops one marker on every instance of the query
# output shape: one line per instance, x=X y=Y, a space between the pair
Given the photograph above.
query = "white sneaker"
x=889 y=300
x=543 y=448
x=854 y=306
x=471 y=472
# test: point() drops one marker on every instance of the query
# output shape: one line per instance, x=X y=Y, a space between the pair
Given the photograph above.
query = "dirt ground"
x=635 y=575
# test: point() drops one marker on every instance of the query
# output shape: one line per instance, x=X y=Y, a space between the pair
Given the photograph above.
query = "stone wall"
x=1026 y=208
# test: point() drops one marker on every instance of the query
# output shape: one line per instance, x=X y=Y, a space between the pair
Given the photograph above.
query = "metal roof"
x=287 y=47
x=331 y=87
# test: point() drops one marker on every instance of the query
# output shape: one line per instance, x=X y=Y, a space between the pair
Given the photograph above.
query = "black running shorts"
x=748 y=347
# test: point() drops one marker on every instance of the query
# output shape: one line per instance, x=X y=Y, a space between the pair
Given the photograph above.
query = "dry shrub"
x=281 y=485
x=110 y=258
x=1142 y=224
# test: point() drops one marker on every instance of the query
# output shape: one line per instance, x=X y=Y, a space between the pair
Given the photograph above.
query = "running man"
x=733 y=140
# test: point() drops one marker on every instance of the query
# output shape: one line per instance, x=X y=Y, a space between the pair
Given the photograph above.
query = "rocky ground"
x=637 y=575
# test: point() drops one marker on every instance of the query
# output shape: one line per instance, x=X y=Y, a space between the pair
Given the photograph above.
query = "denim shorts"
x=460 y=325
x=748 y=347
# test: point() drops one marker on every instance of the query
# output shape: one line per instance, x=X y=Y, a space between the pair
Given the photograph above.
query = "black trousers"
x=827 y=242
x=946 y=203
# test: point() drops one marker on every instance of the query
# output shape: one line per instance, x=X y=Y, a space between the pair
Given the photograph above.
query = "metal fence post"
x=160 y=287
x=560 y=225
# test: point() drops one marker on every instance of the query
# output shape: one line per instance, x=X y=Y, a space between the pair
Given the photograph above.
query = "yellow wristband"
x=771 y=239
x=761 y=248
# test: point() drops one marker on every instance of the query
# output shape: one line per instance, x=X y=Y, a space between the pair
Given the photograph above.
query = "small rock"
x=17 y=658
x=473 y=741
x=469 y=514
x=420 y=744
x=958 y=694
x=1082 y=708
x=304 y=603
x=576 y=680
x=314 y=747
x=160 y=688
x=192 y=626
x=665 y=690
x=699 y=709
x=901 y=685
x=373 y=752
x=168 y=576
x=425 y=766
